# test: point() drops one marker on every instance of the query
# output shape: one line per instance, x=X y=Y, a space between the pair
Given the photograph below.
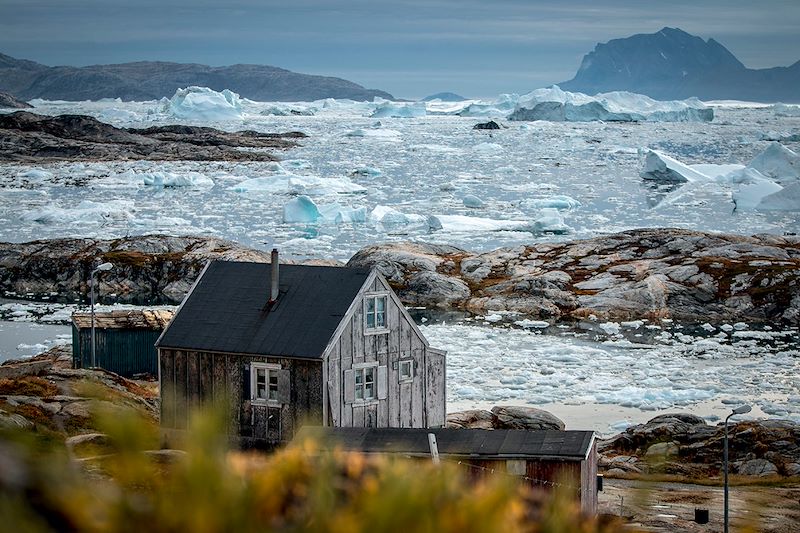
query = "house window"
x=264 y=382
x=365 y=383
x=375 y=312
x=406 y=370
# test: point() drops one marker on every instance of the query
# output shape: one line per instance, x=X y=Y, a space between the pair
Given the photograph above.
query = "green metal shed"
x=124 y=340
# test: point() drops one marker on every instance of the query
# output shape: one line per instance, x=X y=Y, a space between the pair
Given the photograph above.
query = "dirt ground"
x=661 y=506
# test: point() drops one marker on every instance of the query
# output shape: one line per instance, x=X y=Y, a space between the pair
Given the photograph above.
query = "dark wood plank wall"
x=191 y=379
x=589 y=481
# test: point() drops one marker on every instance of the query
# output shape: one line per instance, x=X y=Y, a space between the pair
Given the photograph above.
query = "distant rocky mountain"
x=149 y=80
x=672 y=64
x=444 y=97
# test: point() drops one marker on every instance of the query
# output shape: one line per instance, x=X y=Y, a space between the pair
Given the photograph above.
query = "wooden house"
x=298 y=344
x=543 y=459
x=124 y=340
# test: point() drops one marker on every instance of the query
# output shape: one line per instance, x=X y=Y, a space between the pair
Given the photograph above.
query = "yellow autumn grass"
x=209 y=488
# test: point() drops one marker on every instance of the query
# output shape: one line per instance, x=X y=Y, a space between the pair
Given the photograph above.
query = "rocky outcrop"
x=684 y=444
x=645 y=273
x=149 y=269
x=491 y=125
x=8 y=101
x=505 y=417
x=29 y=138
x=50 y=397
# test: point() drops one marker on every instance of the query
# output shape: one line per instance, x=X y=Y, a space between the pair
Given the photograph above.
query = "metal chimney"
x=273 y=293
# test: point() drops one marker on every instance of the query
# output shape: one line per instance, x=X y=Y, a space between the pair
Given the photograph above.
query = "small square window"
x=365 y=383
x=264 y=379
x=406 y=370
x=375 y=312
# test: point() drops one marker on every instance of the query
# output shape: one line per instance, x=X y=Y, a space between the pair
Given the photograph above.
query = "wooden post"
x=434 y=448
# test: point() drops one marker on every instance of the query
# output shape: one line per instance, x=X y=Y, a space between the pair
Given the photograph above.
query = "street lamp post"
x=738 y=411
x=105 y=267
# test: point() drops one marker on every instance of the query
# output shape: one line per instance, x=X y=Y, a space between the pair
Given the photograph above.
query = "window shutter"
x=246 y=382
x=349 y=386
x=415 y=366
x=284 y=385
x=383 y=382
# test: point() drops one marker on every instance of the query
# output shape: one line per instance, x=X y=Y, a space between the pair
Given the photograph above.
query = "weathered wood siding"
x=190 y=379
x=589 y=481
x=418 y=402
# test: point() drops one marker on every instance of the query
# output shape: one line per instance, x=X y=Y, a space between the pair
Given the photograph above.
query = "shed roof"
x=227 y=309
x=483 y=443
x=155 y=319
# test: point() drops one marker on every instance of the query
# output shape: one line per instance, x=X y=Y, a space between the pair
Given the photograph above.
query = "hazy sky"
x=477 y=48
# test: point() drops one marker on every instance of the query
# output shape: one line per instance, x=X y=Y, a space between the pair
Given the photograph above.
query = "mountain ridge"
x=672 y=64
x=151 y=80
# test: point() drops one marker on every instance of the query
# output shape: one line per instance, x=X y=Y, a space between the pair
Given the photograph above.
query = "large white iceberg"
x=661 y=167
x=779 y=163
x=202 y=103
x=556 y=105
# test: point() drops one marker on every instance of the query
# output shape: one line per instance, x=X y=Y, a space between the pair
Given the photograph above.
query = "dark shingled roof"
x=484 y=443
x=227 y=310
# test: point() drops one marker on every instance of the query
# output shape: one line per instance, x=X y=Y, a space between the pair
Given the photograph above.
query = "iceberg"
x=296 y=184
x=560 y=202
x=389 y=218
x=504 y=105
x=303 y=210
x=556 y=105
x=169 y=179
x=779 y=163
x=398 y=110
x=785 y=110
x=786 y=199
x=472 y=201
x=204 y=104
x=85 y=212
x=468 y=224
x=661 y=167
x=549 y=221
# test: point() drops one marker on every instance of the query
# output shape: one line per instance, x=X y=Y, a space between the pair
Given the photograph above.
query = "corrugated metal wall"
x=124 y=351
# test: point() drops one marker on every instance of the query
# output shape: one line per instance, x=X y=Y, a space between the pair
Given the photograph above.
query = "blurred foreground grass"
x=120 y=481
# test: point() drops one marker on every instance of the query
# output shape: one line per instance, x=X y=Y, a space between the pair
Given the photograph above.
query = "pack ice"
x=202 y=103
x=770 y=182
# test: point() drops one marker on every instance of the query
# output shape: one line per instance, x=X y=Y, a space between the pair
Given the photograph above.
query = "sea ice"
x=204 y=104
x=779 y=163
x=400 y=110
x=472 y=201
x=297 y=184
x=559 y=202
x=661 y=167
x=786 y=199
x=86 y=211
x=749 y=196
x=170 y=179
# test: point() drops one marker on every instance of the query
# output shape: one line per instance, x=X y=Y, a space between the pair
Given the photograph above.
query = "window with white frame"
x=365 y=383
x=375 y=312
x=406 y=370
x=264 y=382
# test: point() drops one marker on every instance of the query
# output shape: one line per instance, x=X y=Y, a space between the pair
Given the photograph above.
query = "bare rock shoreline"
x=29 y=138
x=640 y=274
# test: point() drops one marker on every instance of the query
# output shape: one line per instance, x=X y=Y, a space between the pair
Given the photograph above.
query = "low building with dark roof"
x=331 y=346
x=124 y=340
x=545 y=459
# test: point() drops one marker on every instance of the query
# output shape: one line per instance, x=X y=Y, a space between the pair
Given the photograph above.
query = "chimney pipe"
x=273 y=293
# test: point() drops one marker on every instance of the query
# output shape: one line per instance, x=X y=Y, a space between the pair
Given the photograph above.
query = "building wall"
x=417 y=403
x=190 y=379
x=589 y=481
x=125 y=351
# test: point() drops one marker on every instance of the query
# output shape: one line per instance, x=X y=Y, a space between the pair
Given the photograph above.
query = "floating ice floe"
x=170 y=179
x=556 y=105
x=375 y=133
x=85 y=212
x=296 y=184
x=202 y=103
x=303 y=210
x=778 y=163
x=37 y=174
x=472 y=201
x=391 y=218
x=284 y=110
x=770 y=183
x=560 y=202
x=786 y=110
x=400 y=110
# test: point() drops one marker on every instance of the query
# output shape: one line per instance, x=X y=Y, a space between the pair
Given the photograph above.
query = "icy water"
x=601 y=380
x=24 y=339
